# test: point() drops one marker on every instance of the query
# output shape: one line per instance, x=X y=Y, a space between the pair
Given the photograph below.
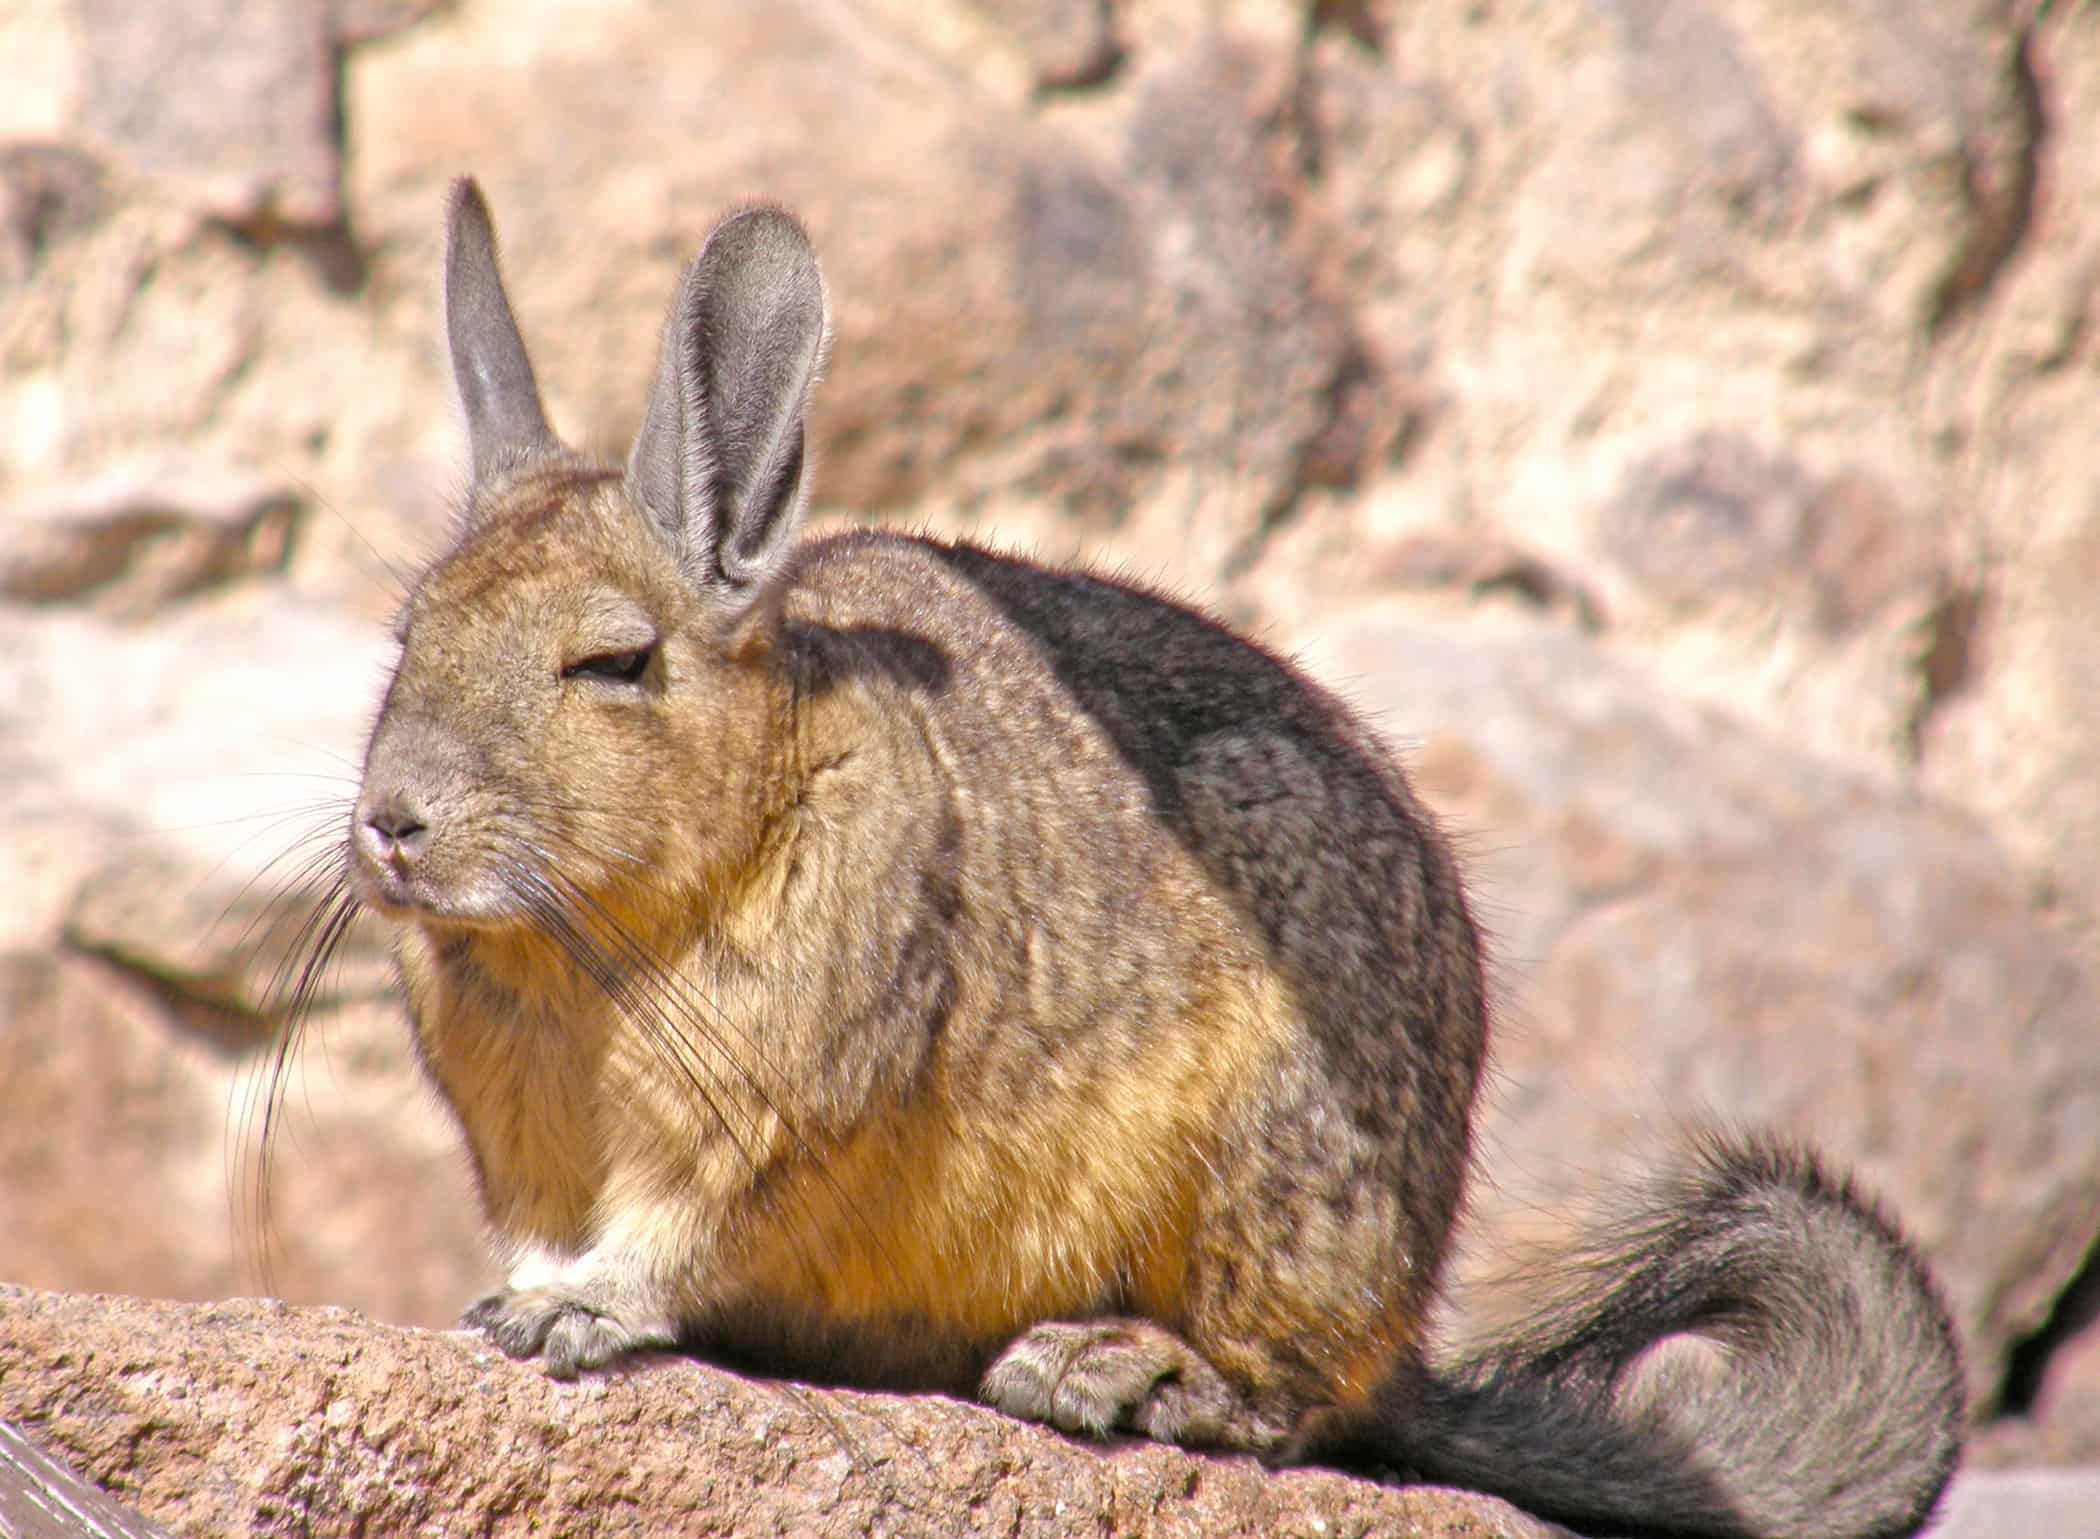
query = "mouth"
x=393 y=896
x=393 y=891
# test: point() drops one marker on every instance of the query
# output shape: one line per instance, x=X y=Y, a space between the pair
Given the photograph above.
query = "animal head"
x=589 y=683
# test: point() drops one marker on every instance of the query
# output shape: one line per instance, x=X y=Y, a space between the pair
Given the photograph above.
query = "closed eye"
x=620 y=667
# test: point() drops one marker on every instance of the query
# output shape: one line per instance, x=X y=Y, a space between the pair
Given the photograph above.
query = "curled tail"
x=1753 y=1350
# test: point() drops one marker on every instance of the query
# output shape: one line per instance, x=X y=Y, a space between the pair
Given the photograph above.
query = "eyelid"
x=624 y=667
x=614 y=638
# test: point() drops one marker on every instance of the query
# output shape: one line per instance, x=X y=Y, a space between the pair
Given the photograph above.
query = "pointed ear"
x=718 y=461
x=505 y=423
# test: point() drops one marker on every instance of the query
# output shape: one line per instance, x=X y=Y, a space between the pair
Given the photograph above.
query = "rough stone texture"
x=1698 y=924
x=1989 y=1504
x=1674 y=416
x=43 y=1498
x=143 y=535
x=2055 y=1392
x=235 y=97
x=1014 y=311
x=142 y=1168
x=157 y=818
x=1067 y=42
x=230 y=104
x=257 y=1418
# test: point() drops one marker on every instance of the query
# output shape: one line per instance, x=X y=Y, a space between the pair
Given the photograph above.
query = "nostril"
x=395 y=829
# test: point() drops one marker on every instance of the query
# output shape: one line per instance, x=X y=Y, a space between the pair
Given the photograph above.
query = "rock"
x=2064 y=1426
x=1396 y=159
x=145 y=735
x=352 y=22
x=2018 y=737
x=1714 y=515
x=1765 y=328
x=47 y=192
x=2053 y=1410
x=42 y=1498
x=130 y=1125
x=1366 y=22
x=2066 y=1410
x=1068 y=42
x=230 y=104
x=1676 y=126
x=1647 y=224
x=182 y=1142
x=1242 y=256
x=1015 y=312
x=251 y=1417
x=1865 y=552
x=2015 y=738
x=150 y=1165
x=232 y=100
x=1482 y=565
x=1984 y=1504
x=144 y=534
x=1693 y=923
x=1719 y=518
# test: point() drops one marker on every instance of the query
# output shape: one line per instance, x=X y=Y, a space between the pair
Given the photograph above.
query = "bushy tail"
x=1752 y=1350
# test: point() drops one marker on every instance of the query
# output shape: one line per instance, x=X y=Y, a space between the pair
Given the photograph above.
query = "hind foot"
x=1100 y=1376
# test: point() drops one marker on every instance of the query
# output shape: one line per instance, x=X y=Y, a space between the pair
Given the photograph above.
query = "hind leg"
x=1263 y=1325
x=1101 y=1376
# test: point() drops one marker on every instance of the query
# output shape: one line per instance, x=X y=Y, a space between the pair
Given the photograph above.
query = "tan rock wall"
x=1674 y=416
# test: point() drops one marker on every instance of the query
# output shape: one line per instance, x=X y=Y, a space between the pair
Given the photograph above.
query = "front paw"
x=566 y=1331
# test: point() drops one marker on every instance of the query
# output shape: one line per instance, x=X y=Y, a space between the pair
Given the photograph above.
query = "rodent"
x=882 y=958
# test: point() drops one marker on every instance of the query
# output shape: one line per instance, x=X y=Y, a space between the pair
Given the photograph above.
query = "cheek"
x=602 y=758
x=651 y=770
x=673 y=785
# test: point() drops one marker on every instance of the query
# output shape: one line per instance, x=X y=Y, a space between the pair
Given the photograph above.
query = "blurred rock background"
x=1673 y=418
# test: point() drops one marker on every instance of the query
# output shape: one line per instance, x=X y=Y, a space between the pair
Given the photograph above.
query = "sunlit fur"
x=637 y=1000
x=909 y=964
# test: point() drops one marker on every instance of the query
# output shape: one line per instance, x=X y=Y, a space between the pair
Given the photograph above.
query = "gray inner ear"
x=505 y=422
x=718 y=461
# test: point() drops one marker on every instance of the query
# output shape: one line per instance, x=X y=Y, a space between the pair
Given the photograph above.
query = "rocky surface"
x=1987 y=1503
x=258 y=1418
x=1696 y=922
x=42 y=1497
x=1673 y=417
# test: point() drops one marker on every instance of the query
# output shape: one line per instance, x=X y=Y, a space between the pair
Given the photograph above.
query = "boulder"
x=252 y=1417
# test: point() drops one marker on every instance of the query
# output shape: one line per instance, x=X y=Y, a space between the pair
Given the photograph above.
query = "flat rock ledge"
x=255 y=1417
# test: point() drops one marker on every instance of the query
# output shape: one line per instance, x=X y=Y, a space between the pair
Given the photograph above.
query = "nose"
x=391 y=831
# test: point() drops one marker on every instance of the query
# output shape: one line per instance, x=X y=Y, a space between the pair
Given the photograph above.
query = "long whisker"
x=638 y=879
x=657 y=998
x=318 y=893
x=543 y=903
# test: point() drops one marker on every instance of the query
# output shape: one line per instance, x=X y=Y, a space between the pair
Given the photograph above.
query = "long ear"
x=505 y=423
x=718 y=461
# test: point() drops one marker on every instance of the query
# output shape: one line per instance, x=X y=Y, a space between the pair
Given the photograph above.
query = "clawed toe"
x=567 y=1334
x=1097 y=1376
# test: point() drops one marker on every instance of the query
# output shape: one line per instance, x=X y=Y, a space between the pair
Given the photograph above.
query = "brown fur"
x=902 y=962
